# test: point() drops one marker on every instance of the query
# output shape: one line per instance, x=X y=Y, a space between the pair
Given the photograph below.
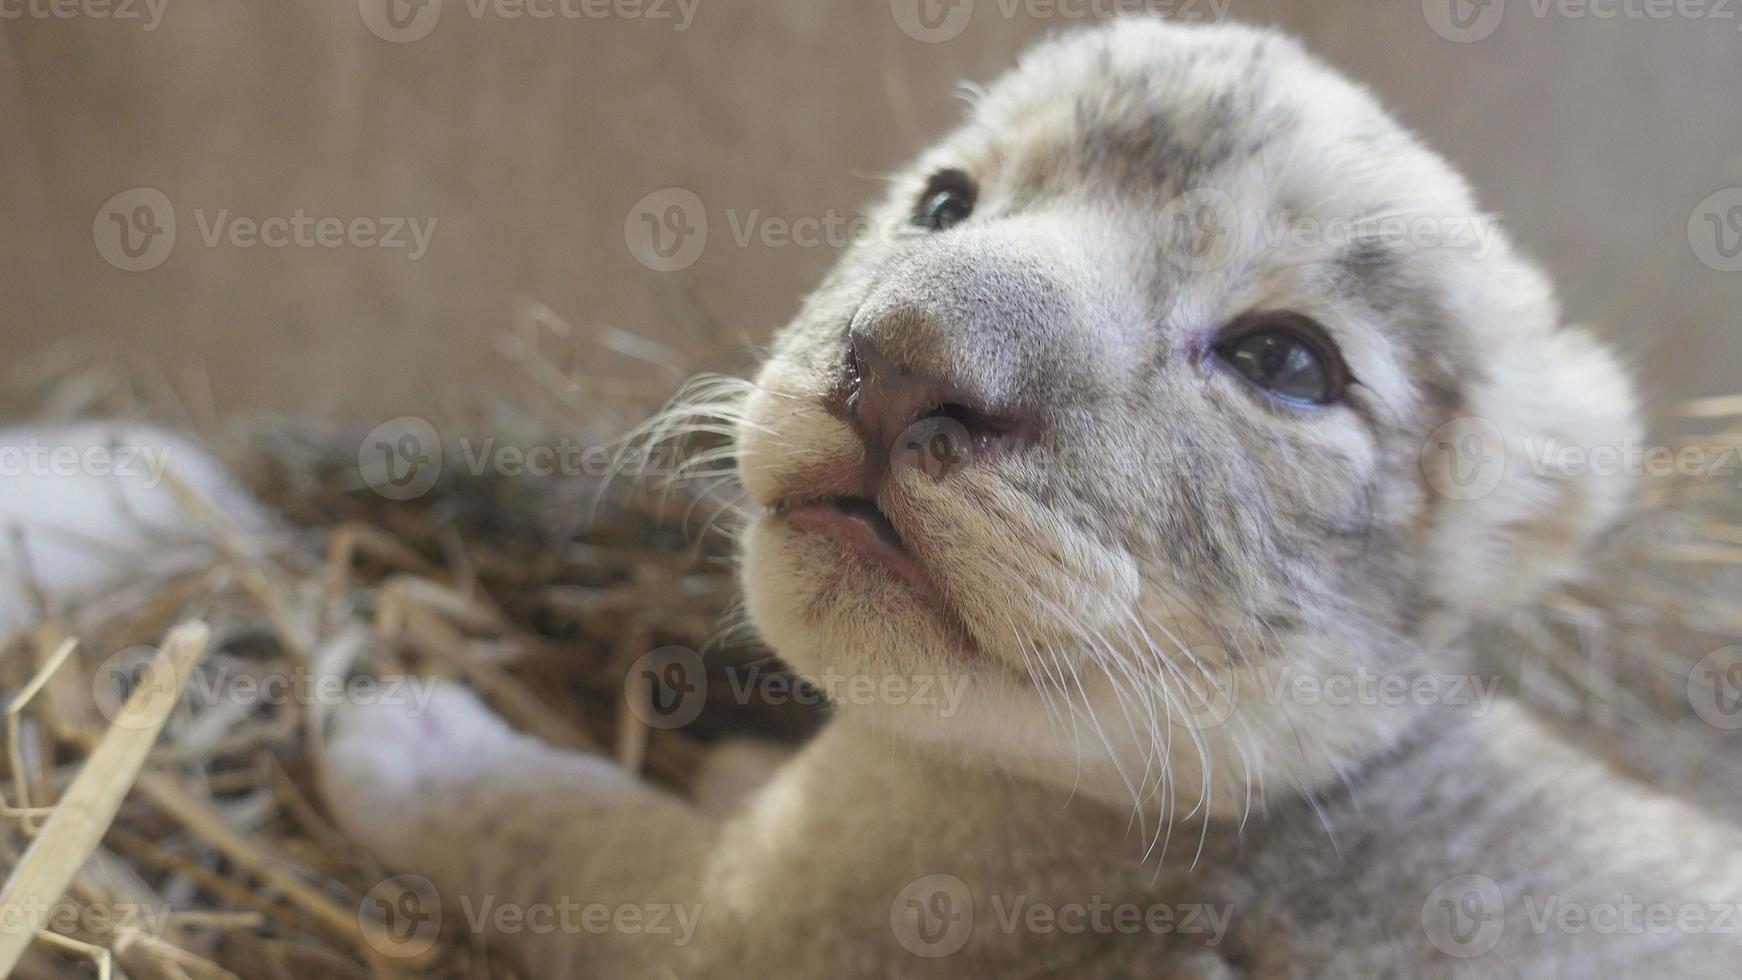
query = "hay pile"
x=540 y=593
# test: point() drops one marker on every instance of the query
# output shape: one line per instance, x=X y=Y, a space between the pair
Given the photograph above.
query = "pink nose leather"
x=888 y=403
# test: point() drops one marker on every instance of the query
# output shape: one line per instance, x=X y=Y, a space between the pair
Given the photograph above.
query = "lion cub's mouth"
x=860 y=528
x=866 y=535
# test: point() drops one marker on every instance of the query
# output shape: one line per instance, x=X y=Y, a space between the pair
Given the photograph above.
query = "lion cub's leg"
x=561 y=855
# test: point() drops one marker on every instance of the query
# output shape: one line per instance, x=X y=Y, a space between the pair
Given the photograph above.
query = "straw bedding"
x=187 y=832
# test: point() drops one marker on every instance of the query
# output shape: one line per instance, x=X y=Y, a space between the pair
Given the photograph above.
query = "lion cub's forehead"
x=1145 y=108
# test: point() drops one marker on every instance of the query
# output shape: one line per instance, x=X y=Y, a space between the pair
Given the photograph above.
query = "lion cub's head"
x=1179 y=373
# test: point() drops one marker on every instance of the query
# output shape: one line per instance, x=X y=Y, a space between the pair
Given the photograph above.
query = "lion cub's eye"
x=1287 y=355
x=948 y=201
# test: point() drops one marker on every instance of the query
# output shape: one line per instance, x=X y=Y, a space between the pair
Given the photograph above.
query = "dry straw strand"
x=73 y=831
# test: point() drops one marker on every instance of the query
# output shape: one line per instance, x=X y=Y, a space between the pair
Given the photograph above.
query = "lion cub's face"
x=1139 y=403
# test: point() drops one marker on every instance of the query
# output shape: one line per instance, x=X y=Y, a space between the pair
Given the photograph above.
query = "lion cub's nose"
x=912 y=418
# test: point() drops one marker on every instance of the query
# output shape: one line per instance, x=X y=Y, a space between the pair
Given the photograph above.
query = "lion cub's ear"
x=1543 y=458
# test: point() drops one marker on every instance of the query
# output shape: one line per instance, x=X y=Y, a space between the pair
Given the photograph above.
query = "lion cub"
x=1172 y=425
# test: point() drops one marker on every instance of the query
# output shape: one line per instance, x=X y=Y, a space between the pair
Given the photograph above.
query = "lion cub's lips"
x=858 y=526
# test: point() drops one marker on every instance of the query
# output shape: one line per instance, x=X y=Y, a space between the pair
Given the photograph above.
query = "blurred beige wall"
x=529 y=143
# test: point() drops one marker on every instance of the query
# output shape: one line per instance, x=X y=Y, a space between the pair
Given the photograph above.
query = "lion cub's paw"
x=390 y=762
x=418 y=771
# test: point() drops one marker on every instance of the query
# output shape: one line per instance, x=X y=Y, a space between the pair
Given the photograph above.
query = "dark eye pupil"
x=946 y=208
x=948 y=201
x=1282 y=363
